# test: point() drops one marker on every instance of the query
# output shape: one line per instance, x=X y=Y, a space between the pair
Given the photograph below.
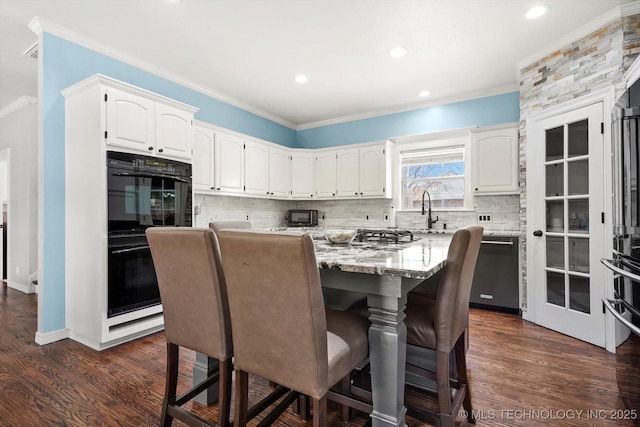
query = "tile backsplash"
x=363 y=213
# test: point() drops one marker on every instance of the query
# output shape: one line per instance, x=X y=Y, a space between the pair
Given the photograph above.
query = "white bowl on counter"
x=340 y=236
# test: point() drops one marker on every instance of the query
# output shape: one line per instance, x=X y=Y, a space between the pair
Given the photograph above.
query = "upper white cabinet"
x=139 y=121
x=375 y=170
x=203 y=159
x=256 y=168
x=229 y=163
x=279 y=172
x=174 y=132
x=326 y=174
x=363 y=171
x=348 y=177
x=130 y=121
x=302 y=175
x=495 y=160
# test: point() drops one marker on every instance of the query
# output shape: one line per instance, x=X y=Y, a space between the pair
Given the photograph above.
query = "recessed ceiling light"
x=424 y=93
x=301 y=78
x=537 y=11
x=398 y=52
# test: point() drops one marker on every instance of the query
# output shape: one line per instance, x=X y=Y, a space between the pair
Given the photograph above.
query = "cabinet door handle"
x=160 y=150
x=213 y=188
x=537 y=233
x=150 y=148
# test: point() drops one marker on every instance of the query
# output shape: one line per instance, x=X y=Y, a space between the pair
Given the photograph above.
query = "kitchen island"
x=384 y=272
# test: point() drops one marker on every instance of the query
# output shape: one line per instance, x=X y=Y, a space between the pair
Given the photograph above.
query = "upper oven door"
x=138 y=200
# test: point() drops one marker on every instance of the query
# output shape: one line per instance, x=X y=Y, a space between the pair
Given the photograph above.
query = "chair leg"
x=345 y=388
x=444 y=388
x=171 y=384
x=242 y=398
x=319 y=412
x=224 y=394
x=461 y=366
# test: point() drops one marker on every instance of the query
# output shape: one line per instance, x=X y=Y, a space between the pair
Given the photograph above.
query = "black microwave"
x=302 y=218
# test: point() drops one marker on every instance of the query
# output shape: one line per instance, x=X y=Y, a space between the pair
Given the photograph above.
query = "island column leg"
x=203 y=367
x=387 y=354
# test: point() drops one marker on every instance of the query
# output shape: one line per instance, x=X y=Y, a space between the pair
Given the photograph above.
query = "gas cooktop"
x=383 y=235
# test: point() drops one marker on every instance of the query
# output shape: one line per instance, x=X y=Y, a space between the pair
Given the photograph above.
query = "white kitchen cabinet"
x=495 y=161
x=130 y=121
x=302 y=175
x=348 y=172
x=174 y=133
x=229 y=163
x=138 y=121
x=203 y=160
x=256 y=168
x=279 y=172
x=103 y=114
x=375 y=171
x=326 y=174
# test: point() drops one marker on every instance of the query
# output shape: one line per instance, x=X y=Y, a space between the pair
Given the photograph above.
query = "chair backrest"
x=224 y=225
x=454 y=291
x=277 y=309
x=192 y=289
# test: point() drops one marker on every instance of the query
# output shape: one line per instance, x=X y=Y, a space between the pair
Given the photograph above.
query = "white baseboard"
x=49 y=337
x=27 y=289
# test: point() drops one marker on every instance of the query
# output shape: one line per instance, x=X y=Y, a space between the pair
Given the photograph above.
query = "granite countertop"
x=416 y=259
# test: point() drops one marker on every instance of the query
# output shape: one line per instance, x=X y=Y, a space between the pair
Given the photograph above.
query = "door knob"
x=537 y=233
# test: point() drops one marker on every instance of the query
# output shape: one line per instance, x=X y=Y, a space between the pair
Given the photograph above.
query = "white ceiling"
x=248 y=51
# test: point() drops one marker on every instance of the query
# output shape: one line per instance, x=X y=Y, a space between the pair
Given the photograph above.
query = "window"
x=440 y=172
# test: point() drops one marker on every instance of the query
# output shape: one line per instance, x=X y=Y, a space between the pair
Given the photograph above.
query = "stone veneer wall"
x=266 y=213
x=595 y=62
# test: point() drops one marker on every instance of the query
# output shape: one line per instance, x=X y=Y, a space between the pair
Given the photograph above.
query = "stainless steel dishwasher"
x=495 y=283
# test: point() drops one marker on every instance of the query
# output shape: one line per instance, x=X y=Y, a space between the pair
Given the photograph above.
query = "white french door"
x=565 y=229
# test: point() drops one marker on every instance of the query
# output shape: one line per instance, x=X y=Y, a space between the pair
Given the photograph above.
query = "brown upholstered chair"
x=225 y=225
x=196 y=314
x=441 y=325
x=281 y=331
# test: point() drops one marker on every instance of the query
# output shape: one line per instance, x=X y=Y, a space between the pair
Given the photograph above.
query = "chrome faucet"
x=430 y=220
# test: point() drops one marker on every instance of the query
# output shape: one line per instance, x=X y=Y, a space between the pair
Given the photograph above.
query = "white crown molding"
x=583 y=31
x=399 y=109
x=17 y=104
x=38 y=25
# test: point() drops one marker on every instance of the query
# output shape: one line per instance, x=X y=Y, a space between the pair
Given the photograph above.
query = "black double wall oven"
x=142 y=192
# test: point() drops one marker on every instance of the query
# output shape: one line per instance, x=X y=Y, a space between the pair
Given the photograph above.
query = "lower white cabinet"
x=495 y=160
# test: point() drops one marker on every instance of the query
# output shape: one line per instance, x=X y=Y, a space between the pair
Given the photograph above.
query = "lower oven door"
x=132 y=281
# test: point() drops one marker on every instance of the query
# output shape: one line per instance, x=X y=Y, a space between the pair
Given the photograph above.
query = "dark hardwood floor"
x=521 y=375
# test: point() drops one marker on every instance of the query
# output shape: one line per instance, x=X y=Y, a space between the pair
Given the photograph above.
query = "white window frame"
x=435 y=144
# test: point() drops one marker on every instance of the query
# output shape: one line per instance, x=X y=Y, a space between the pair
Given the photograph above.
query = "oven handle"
x=150 y=175
x=495 y=242
x=122 y=251
x=609 y=306
x=611 y=266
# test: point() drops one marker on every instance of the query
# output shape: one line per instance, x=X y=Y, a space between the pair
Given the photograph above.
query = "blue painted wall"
x=65 y=63
x=492 y=110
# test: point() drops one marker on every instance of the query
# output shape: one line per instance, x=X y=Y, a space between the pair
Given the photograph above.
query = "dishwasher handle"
x=496 y=242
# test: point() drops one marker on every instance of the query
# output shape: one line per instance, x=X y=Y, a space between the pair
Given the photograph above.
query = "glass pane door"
x=567 y=215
